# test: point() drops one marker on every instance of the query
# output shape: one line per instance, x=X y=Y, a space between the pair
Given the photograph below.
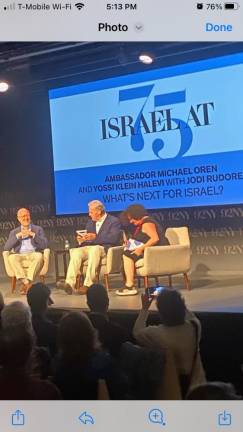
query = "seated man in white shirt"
x=26 y=244
x=102 y=232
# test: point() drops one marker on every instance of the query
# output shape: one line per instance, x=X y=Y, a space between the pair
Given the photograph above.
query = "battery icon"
x=232 y=6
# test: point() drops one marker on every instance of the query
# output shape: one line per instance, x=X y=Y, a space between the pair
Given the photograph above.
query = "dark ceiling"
x=32 y=63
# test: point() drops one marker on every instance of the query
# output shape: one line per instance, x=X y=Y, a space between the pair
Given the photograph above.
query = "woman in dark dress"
x=147 y=233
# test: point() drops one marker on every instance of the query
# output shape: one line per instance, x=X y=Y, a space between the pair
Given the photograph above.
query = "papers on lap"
x=132 y=244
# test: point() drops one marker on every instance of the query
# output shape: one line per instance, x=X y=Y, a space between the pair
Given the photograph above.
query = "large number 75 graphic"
x=137 y=139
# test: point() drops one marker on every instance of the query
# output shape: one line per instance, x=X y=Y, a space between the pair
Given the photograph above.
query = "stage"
x=223 y=293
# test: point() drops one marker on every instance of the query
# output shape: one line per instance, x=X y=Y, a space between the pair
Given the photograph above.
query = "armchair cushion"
x=167 y=260
x=178 y=236
x=111 y=263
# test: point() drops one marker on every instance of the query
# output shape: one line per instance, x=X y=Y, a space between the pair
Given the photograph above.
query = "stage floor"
x=208 y=294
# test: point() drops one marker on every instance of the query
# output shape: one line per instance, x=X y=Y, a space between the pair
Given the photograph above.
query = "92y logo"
x=157 y=121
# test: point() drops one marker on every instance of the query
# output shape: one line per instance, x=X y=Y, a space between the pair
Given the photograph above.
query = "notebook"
x=132 y=244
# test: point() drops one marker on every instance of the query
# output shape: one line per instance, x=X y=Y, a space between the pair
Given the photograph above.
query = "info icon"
x=200 y=6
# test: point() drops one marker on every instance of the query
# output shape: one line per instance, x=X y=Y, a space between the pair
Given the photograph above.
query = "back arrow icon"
x=86 y=418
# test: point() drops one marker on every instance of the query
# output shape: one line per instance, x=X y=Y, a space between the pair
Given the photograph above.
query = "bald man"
x=26 y=244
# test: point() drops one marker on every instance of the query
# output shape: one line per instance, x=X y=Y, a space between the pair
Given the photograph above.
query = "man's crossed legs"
x=92 y=254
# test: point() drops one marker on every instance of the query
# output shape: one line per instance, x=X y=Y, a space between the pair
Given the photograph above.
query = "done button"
x=210 y=27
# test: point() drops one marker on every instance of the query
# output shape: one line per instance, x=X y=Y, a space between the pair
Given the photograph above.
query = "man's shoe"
x=65 y=287
x=24 y=288
x=82 y=290
x=127 y=291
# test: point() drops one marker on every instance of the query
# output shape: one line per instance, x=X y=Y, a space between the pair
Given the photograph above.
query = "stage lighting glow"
x=4 y=86
x=146 y=58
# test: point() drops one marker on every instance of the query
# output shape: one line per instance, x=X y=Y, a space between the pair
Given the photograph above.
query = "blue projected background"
x=165 y=138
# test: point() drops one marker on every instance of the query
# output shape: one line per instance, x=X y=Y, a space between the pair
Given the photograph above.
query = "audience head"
x=213 y=391
x=97 y=298
x=1 y=302
x=23 y=216
x=39 y=298
x=16 y=315
x=96 y=210
x=77 y=338
x=16 y=346
x=171 y=307
x=135 y=213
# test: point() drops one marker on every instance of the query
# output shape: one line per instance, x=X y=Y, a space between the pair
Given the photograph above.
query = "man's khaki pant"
x=25 y=266
x=92 y=254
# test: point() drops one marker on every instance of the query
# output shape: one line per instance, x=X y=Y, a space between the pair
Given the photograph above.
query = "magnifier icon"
x=156 y=416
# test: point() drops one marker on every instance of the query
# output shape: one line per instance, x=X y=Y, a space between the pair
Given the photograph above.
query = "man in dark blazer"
x=26 y=244
x=102 y=232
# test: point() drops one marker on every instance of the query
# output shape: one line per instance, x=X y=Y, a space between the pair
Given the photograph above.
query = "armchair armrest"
x=114 y=259
x=166 y=260
x=7 y=264
x=46 y=258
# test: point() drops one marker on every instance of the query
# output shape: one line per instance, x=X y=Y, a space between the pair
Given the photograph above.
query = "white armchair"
x=158 y=260
x=110 y=264
x=167 y=260
x=10 y=272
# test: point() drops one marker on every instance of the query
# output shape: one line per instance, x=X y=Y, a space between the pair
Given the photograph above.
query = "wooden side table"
x=64 y=258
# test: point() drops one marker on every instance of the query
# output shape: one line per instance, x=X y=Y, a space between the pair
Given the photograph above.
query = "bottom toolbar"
x=35 y=416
